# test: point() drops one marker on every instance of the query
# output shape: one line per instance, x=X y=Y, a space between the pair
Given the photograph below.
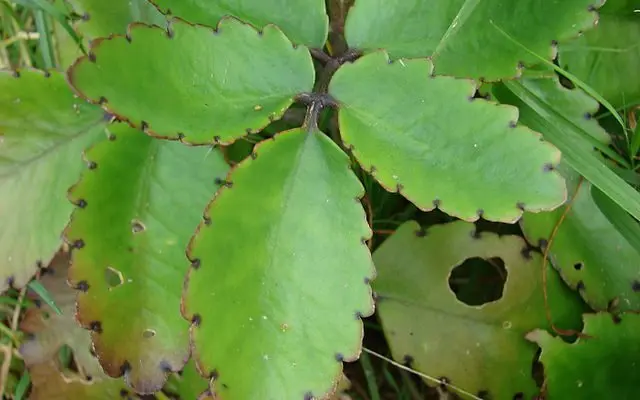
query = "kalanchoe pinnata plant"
x=260 y=269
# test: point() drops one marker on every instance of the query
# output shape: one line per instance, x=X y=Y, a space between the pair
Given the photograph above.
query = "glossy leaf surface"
x=218 y=86
x=303 y=21
x=607 y=58
x=590 y=253
x=281 y=272
x=102 y=18
x=43 y=131
x=479 y=348
x=464 y=37
x=140 y=204
x=603 y=366
x=426 y=138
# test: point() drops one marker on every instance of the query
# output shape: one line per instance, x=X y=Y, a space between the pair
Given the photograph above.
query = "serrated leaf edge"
x=144 y=126
x=190 y=317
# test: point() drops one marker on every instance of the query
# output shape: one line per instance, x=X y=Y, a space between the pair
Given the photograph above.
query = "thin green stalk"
x=46 y=45
x=370 y=375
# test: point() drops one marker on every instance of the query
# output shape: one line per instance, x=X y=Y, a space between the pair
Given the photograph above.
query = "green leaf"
x=282 y=272
x=49 y=331
x=584 y=161
x=188 y=384
x=43 y=131
x=303 y=21
x=139 y=206
x=607 y=58
x=623 y=222
x=426 y=138
x=602 y=366
x=460 y=35
x=102 y=18
x=590 y=253
x=478 y=349
x=200 y=97
x=572 y=109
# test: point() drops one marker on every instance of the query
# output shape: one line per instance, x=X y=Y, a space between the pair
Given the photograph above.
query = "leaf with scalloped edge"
x=573 y=106
x=47 y=332
x=102 y=18
x=427 y=138
x=281 y=272
x=188 y=384
x=218 y=85
x=480 y=349
x=138 y=207
x=43 y=131
x=51 y=384
x=607 y=58
x=602 y=366
x=303 y=21
x=590 y=253
x=463 y=37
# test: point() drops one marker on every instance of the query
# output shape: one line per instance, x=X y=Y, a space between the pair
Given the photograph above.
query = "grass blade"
x=46 y=47
x=44 y=294
x=370 y=375
x=618 y=218
x=585 y=162
x=23 y=385
x=574 y=79
x=55 y=14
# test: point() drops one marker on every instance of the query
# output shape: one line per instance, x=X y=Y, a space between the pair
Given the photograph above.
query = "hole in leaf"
x=113 y=277
x=137 y=226
x=148 y=333
x=478 y=281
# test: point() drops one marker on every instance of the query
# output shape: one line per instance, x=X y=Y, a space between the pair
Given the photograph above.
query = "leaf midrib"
x=289 y=186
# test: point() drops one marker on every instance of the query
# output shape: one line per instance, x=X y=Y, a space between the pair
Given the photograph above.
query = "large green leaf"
x=303 y=21
x=427 y=138
x=607 y=58
x=590 y=253
x=102 y=18
x=281 y=272
x=479 y=349
x=43 y=131
x=218 y=86
x=602 y=366
x=139 y=206
x=464 y=37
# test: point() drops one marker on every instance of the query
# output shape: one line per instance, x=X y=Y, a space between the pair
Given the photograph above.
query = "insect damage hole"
x=148 y=333
x=478 y=281
x=137 y=226
x=113 y=277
